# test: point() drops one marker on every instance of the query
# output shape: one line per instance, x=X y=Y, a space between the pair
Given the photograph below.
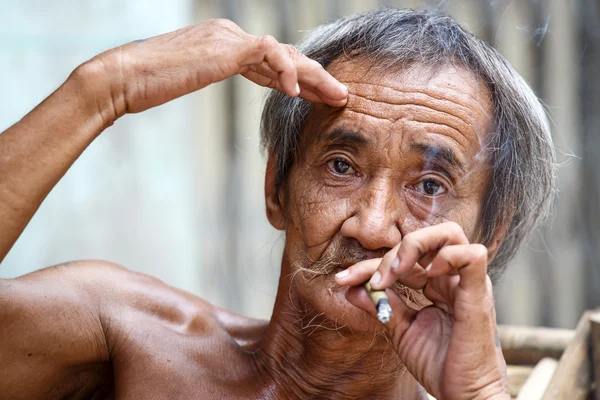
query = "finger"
x=309 y=90
x=263 y=69
x=358 y=273
x=414 y=278
x=262 y=80
x=312 y=96
x=315 y=77
x=440 y=291
x=469 y=261
x=383 y=268
x=265 y=80
x=269 y=50
x=402 y=315
x=417 y=245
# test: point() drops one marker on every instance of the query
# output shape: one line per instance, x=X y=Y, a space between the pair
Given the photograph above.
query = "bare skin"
x=367 y=179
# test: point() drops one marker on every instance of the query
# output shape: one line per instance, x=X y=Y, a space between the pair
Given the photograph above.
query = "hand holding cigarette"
x=450 y=347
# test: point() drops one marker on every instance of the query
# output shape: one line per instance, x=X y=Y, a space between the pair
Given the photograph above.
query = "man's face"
x=405 y=153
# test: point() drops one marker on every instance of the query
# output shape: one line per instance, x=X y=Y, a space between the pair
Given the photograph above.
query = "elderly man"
x=402 y=150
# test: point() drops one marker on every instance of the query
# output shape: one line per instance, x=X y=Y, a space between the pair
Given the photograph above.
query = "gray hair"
x=520 y=149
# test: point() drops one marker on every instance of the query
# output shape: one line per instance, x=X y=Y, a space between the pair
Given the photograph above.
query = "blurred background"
x=177 y=192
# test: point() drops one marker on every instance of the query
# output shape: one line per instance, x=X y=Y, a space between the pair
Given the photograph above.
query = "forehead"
x=444 y=104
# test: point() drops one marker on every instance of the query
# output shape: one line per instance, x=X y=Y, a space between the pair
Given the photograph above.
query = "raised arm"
x=37 y=151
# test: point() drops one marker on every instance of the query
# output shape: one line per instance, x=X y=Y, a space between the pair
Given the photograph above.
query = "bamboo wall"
x=177 y=191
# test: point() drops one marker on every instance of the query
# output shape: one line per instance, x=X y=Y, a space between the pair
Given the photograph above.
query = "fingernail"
x=342 y=274
x=345 y=88
x=375 y=278
x=428 y=268
x=297 y=89
x=395 y=263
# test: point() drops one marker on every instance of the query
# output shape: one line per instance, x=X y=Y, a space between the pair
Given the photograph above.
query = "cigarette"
x=380 y=300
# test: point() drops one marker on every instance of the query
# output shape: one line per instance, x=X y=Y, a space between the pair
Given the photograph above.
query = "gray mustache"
x=341 y=251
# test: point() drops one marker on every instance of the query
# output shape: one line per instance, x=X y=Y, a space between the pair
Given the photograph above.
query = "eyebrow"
x=442 y=156
x=345 y=137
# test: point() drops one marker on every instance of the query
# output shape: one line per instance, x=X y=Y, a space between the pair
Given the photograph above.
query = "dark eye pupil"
x=431 y=187
x=340 y=166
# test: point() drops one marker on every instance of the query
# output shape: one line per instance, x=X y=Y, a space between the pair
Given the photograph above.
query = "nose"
x=374 y=219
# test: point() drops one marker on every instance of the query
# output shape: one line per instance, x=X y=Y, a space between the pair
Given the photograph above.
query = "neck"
x=306 y=356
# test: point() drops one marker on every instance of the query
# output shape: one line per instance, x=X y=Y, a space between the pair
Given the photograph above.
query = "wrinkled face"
x=406 y=152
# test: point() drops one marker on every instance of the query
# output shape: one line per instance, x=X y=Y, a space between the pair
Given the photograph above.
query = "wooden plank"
x=517 y=376
x=527 y=346
x=537 y=382
x=595 y=353
x=572 y=377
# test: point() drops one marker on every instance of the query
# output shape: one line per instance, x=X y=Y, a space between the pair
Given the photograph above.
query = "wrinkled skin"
x=391 y=173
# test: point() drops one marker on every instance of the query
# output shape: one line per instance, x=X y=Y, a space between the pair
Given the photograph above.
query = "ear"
x=274 y=208
x=497 y=240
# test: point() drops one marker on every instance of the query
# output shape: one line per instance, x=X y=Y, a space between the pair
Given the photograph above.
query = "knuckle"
x=223 y=23
x=292 y=51
x=272 y=84
x=267 y=42
x=489 y=285
x=313 y=65
x=444 y=253
x=453 y=228
x=479 y=253
x=411 y=241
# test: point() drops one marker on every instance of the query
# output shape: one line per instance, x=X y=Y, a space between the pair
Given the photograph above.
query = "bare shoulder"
x=72 y=327
x=138 y=295
x=154 y=331
x=89 y=328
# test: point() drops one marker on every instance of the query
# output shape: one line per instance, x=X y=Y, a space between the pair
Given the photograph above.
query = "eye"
x=340 y=167
x=430 y=187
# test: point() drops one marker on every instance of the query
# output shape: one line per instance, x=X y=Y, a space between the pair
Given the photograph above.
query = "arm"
x=37 y=151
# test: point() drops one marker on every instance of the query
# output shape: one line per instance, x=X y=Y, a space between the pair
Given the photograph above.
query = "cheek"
x=463 y=211
x=315 y=214
x=467 y=216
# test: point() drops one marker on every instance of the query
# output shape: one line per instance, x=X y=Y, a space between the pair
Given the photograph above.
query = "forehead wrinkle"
x=459 y=109
x=437 y=95
x=443 y=108
x=424 y=124
x=420 y=108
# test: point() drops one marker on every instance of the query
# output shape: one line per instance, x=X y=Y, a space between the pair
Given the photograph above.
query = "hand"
x=147 y=73
x=450 y=347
